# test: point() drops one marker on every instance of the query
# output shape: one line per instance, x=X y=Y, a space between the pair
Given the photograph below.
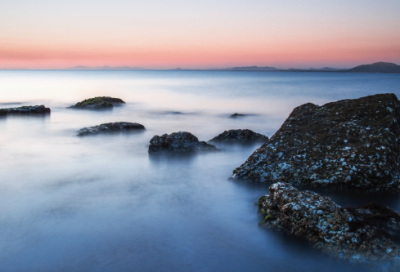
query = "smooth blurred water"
x=102 y=204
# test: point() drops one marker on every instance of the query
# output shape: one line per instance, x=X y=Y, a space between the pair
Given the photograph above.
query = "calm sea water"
x=102 y=204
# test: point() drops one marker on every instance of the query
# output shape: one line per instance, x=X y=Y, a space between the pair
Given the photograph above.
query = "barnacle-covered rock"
x=239 y=136
x=345 y=145
x=38 y=109
x=98 y=103
x=110 y=127
x=178 y=142
x=355 y=234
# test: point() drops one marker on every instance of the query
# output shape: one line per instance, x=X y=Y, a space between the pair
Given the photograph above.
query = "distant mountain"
x=377 y=67
x=253 y=68
x=329 y=69
x=80 y=67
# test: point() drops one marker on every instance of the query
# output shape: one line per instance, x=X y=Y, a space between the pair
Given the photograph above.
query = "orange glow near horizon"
x=281 y=57
x=203 y=35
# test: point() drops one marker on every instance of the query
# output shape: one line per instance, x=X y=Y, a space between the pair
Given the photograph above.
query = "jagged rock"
x=239 y=136
x=38 y=109
x=236 y=115
x=98 y=103
x=178 y=142
x=357 y=234
x=110 y=127
x=344 y=145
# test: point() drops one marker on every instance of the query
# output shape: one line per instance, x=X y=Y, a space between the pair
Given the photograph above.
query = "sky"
x=160 y=34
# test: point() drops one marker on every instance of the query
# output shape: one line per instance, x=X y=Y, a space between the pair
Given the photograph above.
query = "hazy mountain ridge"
x=377 y=67
x=252 y=68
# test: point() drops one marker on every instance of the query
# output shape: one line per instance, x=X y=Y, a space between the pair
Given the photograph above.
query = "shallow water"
x=100 y=203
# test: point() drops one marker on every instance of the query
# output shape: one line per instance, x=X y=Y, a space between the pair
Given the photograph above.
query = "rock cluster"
x=98 y=103
x=178 y=142
x=110 y=127
x=239 y=136
x=38 y=109
x=343 y=145
x=357 y=234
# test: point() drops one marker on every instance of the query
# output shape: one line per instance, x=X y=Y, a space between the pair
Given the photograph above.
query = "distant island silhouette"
x=377 y=67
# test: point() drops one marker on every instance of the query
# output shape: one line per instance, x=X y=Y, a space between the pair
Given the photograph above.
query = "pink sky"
x=194 y=34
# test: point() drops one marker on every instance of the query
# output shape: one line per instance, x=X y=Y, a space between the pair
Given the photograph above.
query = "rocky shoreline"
x=348 y=145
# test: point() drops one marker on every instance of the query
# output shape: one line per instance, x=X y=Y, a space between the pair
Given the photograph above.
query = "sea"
x=101 y=203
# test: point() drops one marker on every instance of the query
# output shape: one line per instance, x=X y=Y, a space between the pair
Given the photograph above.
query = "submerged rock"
x=176 y=142
x=38 y=109
x=344 y=145
x=98 y=103
x=358 y=234
x=110 y=127
x=239 y=136
x=236 y=115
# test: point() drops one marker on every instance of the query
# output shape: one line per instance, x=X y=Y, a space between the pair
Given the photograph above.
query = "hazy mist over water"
x=101 y=203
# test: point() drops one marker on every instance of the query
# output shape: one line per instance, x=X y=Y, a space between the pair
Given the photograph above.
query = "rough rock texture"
x=178 y=142
x=98 y=103
x=239 y=136
x=39 y=109
x=343 y=145
x=110 y=127
x=236 y=115
x=357 y=234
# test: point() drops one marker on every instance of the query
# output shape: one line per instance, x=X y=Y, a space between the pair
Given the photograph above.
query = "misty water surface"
x=100 y=203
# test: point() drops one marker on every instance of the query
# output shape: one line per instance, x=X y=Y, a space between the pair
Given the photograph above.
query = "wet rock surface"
x=178 y=142
x=239 y=136
x=110 y=127
x=355 y=234
x=38 y=109
x=98 y=103
x=344 y=145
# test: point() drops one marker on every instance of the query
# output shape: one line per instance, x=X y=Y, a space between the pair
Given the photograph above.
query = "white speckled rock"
x=345 y=145
x=355 y=234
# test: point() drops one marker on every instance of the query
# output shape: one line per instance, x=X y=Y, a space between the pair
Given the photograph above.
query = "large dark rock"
x=178 y=142
x=98 y=103
x=239 y=136
x=357 y=234
x=110 y=127
x=38 y=109
x=343 y=145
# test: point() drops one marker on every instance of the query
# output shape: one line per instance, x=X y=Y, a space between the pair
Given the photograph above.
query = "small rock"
x=110 y=127
x=38 y=109
x=98 y=103
x=236 y=115
x=239 y=136
x=178 y=142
